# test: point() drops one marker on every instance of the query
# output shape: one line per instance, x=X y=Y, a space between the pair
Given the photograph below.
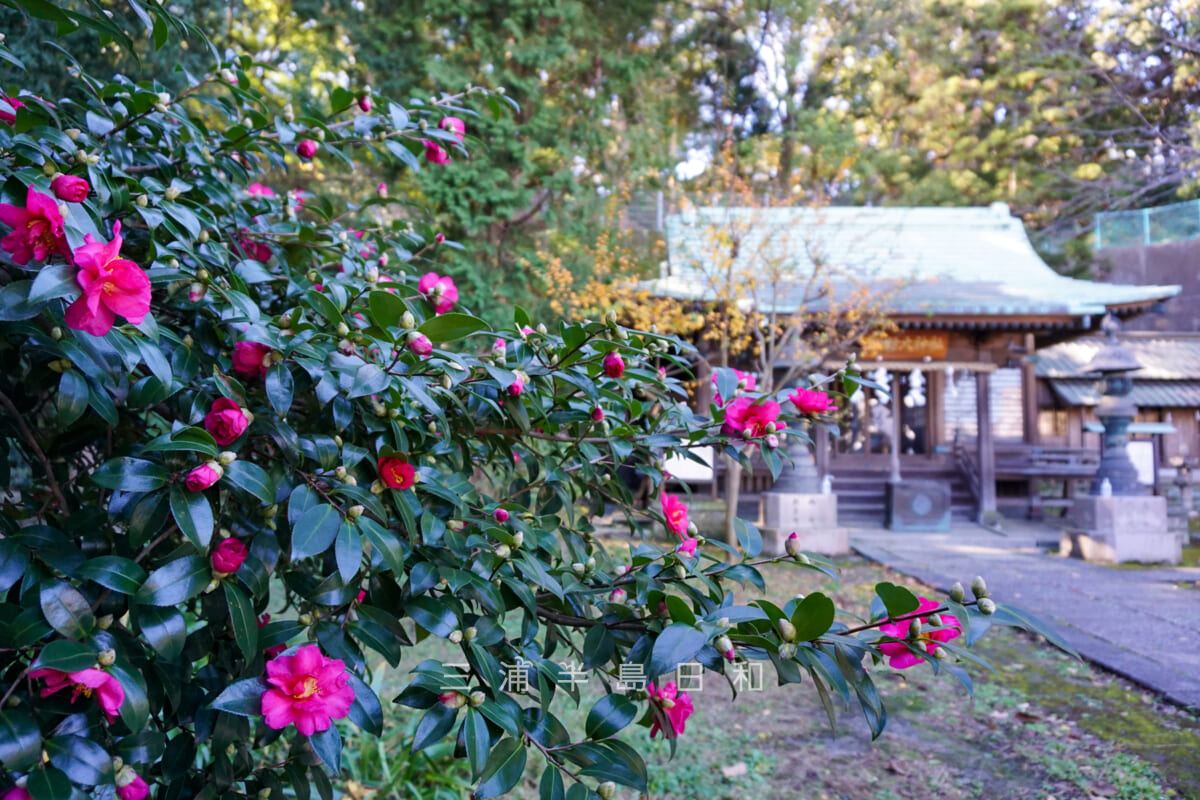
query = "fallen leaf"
x=734 y=770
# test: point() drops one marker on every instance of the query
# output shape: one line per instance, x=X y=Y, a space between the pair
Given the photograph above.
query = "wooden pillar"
x=897 y=429
x=935 y=409
x=1029 y=406
x=987 y=447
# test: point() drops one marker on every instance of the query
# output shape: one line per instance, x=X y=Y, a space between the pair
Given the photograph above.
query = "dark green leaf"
x=131 y=475
x=245 y=624
x=48 y=783
x=435 y=723
x=551 y=785
x=475 y=732
x=20 y=740
x=610 y=715
x=813 y=616
x=243 y=698
x=72 y=398
x=433 y=615
x=386 y=542
x=82 y=760
x=348 y=551
x=193 y=515
x=175 y=582
x=279 y=386
x=677 y=644
x=386 y=309
x=896 y=599
x=748 y=537
x=452 y=327
x=503 y=769
x=251 y=478
x=366 y=711
x=66 y=656
x=315 y=531
x=14 y=560
x=328 y=746
x=67 y=611
x=113 y=572
x=163 y=629
x=53 y=281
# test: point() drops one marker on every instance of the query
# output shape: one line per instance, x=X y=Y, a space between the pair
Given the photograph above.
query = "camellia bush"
x=252 y=439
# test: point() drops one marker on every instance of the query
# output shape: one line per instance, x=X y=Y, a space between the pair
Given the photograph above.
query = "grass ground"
x=1047 y=726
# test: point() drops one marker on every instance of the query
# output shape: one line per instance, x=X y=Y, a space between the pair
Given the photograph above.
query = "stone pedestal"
x=811 y=516
x=1120 y=529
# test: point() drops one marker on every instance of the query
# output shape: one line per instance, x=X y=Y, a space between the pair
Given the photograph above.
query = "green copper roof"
x=919 y=261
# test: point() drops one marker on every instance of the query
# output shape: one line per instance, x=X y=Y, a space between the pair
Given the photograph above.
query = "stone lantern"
x=1116 y=411
x=1118 y=522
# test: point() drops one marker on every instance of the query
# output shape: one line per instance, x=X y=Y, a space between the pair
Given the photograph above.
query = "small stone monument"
x=804 y=503
x=1117 y=522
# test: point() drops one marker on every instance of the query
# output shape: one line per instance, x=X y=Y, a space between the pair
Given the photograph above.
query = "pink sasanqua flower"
x=37 y=229
x=435 y=153
x=226 y=421
x=810 y=401
x=87 y=682
x=440 y=290
x=111 y=285
x=675 y=704
x=899 y=656
x=307 y=690
x=750 y=418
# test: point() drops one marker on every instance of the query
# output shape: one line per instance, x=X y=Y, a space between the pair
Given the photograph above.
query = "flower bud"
x=987 y=606
x=447 y=383
x=578 y=568
x=914 y=629
x=500 y=515
x=787 y=630
x=305 y=619
x=979 y=587
x=408 y=321
x=81 y=156
x=343 y=329
x=378 y=408
x=725 y=647
x=107 y=657
x=355 y=511
x=203 y=237
x=503 y=551
x=787 y=651
x=142 y=201
x=371 y=274
x=792 y=545
x=956 y=592
x=56 y=333
x=541 y=328
x=394 y=413
x=171 y=193
x=73 y=134
x=477 y=699
x=351 y=480
x=771 y=440
x=212 y=587
x=470 y=633
x=607 y=790
x=590 y=563
x=456 y=525
x=49 y=168
x=455 y=637
x=289 y=113
x=226 y=457
x=617 y=596
x=453 y=700
x=270 y=510
x=518 y=538
x=105 y=622
x=228 y=76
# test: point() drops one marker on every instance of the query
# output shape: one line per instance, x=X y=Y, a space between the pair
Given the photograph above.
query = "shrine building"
x=972 y=305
